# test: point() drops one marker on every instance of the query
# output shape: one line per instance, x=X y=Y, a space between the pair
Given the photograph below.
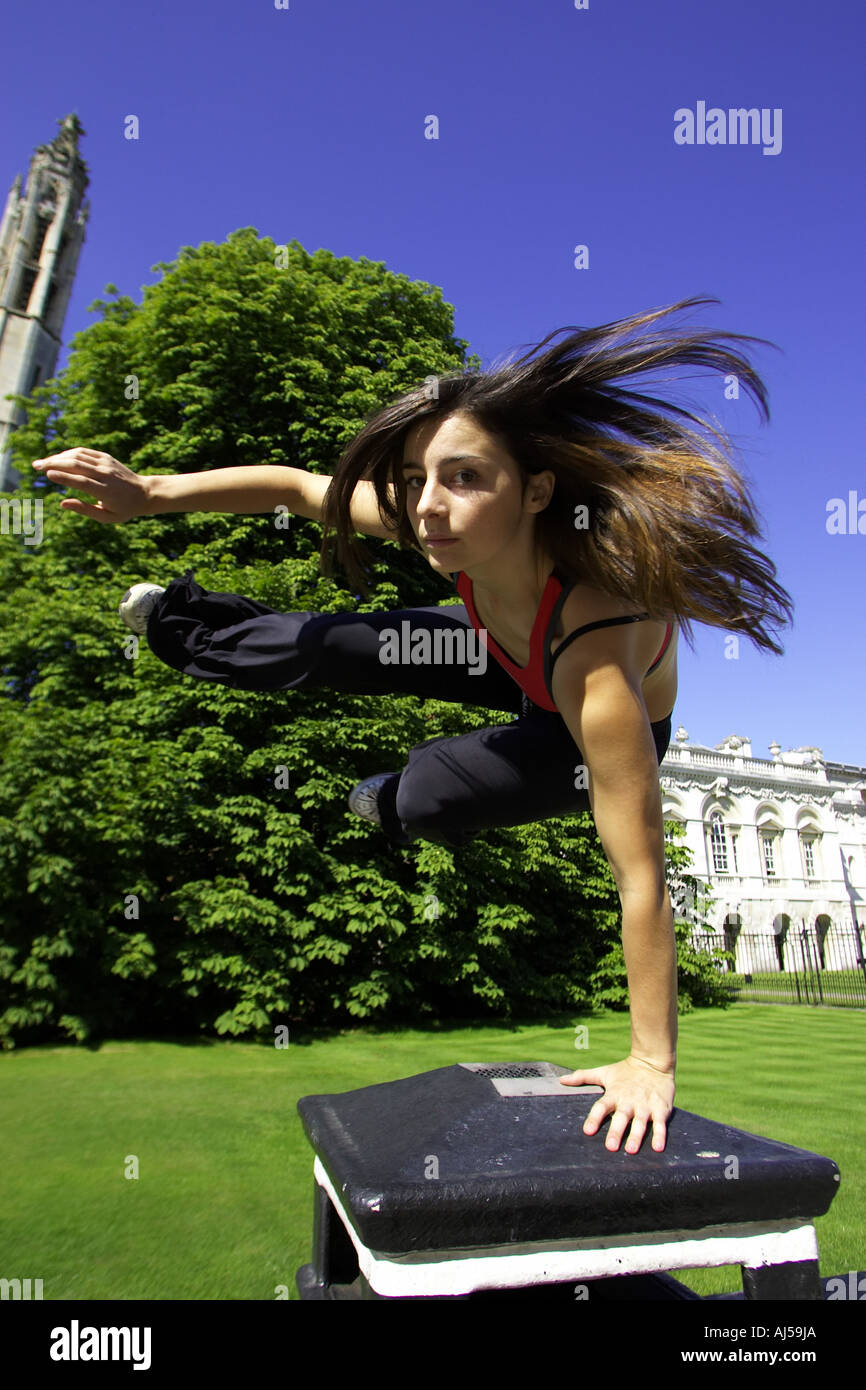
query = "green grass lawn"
x=222 y=1206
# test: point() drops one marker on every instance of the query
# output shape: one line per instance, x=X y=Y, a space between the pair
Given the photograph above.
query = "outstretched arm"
x=600 y=700
x=121 y=494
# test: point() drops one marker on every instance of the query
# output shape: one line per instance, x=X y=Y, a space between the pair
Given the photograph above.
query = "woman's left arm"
x=599 y=697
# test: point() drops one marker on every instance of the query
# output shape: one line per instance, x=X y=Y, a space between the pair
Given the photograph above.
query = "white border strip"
x=443 y=1272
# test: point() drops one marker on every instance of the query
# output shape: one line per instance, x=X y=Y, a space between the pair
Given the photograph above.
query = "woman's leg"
x=244 y=644
x=525 y=771
x=452 y=788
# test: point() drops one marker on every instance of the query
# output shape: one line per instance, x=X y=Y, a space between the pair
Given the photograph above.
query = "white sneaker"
x=136 y=606
x=363 y=799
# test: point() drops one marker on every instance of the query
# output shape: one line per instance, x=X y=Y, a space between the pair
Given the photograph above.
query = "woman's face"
x=460 y=484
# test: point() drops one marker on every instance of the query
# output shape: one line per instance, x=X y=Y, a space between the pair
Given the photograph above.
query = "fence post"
x=806 y=990
x=860 y=960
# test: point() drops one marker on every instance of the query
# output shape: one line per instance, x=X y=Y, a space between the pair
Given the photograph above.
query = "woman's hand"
x=120 y=493
x=634 y=1092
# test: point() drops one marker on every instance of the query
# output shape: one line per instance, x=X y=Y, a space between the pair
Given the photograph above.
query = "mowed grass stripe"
x=222 y=1208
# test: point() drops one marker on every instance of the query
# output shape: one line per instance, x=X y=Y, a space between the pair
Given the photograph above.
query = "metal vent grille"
x=515 y=1069
x=519 y=1080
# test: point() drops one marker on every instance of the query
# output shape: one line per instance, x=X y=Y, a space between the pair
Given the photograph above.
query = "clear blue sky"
x=556 y=129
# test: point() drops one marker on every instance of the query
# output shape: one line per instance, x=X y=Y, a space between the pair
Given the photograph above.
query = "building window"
x=718 y=843
x=38 y=242
x=808 y=843
x=28 y=280
x=769 y=850
x=734 y=838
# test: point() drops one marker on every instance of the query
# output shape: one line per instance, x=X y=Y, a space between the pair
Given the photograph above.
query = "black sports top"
x=535 y=678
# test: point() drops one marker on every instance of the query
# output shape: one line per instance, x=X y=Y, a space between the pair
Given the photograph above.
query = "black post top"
x=481 y=1154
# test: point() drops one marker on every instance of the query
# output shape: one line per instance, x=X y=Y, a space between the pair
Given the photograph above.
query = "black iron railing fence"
x=805 y=966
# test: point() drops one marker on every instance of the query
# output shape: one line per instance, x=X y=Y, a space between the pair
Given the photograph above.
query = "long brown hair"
x=670 y=516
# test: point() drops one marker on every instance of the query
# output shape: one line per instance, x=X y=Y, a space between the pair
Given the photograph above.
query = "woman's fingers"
x=117 y=489
x=629 y=1102
x=660 y=1135
x=582 y=1078
x=589 y=1077
x=72 y=504
x=86 y=469
x=88 y=460
x=617 y=1128
x=60 y=464
x=84 y=481
x=599 y=1112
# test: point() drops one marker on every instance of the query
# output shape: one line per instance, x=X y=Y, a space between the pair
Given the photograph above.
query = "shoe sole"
x=363 y=799
x=135 y=609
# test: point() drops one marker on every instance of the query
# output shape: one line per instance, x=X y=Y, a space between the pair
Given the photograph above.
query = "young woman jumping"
x=583 y=529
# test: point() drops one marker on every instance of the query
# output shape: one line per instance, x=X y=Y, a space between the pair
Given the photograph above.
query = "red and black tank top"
x=535 y=679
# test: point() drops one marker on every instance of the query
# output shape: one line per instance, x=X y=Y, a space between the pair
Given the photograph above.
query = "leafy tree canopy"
x=176 y=855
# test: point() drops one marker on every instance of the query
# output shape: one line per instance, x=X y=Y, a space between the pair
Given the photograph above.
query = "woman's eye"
x=464 y=473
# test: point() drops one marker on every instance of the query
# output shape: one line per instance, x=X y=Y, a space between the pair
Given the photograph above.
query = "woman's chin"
x=441 y=557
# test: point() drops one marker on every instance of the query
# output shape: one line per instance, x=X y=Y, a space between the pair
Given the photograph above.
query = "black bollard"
x=476 y=1180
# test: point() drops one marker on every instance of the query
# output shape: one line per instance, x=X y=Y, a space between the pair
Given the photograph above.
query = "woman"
x=582 y=528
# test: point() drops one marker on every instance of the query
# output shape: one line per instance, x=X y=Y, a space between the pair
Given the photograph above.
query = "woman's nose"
x=431 y=497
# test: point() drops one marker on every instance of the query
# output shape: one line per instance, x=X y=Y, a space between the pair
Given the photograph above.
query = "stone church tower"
x=41 y=236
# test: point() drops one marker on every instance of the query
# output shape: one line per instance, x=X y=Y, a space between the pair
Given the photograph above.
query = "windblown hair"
x=670 y=517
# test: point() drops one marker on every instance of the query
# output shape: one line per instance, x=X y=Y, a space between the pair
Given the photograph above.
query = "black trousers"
x=451 y=788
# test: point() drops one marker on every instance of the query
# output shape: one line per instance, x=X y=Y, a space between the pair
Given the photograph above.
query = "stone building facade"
x=778 y=842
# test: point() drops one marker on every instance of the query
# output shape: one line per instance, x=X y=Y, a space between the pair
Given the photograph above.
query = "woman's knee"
x=426 y=816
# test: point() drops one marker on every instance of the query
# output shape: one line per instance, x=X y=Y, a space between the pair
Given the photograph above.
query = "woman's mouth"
x=441 y=540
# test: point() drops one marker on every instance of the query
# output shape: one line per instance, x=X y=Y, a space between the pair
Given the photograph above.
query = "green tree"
x=156 y=872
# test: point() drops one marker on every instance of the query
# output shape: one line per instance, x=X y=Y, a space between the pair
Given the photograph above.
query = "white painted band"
x=441 y=1272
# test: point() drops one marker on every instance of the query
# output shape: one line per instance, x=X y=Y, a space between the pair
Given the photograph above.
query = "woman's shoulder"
x=584 y=604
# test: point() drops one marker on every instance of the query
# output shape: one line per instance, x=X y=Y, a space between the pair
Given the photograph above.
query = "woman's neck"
x=514 y=591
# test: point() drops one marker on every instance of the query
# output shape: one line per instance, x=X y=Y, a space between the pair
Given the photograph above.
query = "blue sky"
x=556 y=129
